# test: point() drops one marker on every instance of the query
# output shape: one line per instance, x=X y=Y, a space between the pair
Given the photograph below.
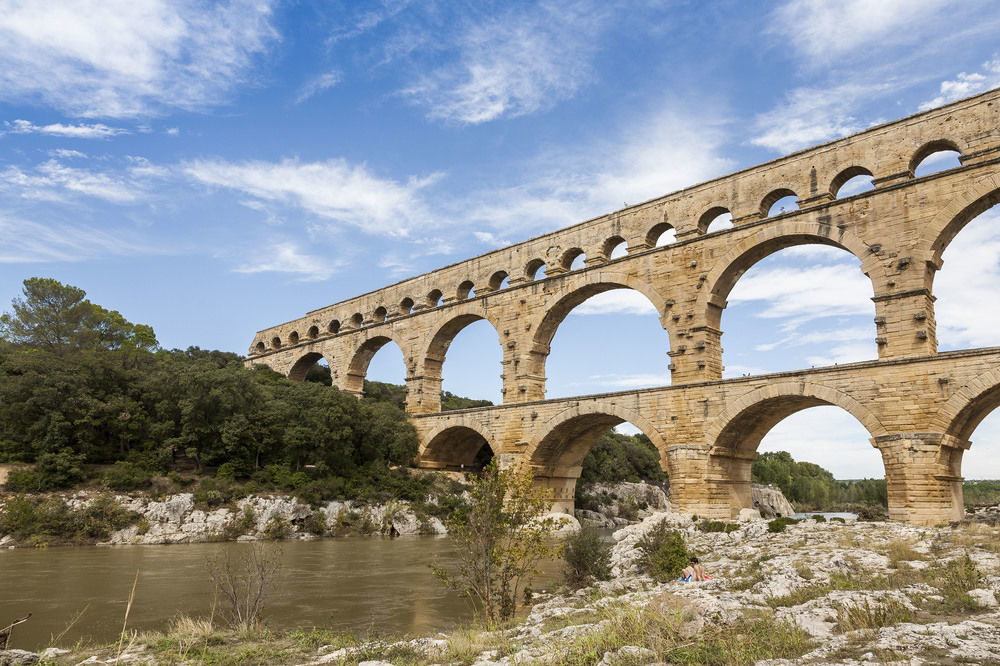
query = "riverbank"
x=816 y=592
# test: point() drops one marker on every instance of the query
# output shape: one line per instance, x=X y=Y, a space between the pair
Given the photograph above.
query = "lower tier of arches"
x=918 y=413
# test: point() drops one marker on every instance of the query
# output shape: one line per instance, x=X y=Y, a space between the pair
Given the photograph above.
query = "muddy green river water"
x=352 y=583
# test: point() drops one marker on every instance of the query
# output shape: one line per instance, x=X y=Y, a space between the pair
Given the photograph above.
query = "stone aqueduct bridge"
x=919 y=406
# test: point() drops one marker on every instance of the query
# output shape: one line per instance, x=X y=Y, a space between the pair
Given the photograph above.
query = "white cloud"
x=318 y=85
x=828 y=33
x=653 y=155
x=823 y=337
x=25 y=242
x=94 y=131
x=617 y=301
x=286 y=257
x=625 y=382
x=520 y=62
x=55 y=181
x=846 y=353
x=964 y=85
x=332 y=190
x=68 y=154
x=120 y=58
x=808 y=116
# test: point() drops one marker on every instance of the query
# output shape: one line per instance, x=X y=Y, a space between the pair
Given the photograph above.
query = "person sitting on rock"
x=693 y=571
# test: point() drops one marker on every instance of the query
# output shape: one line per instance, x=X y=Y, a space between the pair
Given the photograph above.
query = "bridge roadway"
x=919 y=413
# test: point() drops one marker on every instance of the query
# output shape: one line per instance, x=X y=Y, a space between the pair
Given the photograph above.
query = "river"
x=351 y=584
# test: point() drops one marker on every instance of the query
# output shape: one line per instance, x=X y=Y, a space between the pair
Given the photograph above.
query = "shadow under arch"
x=556 y=457
x=734 y=435
x=601 y=281
x=436 y=351
x=301 y=367
x=453 y=447
x=357 y=370
x=769 y=240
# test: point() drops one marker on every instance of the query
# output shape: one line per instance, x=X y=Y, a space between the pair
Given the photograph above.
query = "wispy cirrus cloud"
x=26 y=241
x=121 y=58
x=334 y=191
x=126 y=182
x=79 y=131
x=318 y=84
x=287 y=257
x=511 y=64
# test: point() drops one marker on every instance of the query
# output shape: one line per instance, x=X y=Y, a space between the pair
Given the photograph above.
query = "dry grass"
x=871 y=617
x=901 y=550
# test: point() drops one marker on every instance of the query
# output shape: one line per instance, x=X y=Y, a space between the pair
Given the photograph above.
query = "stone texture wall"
x=706 y=428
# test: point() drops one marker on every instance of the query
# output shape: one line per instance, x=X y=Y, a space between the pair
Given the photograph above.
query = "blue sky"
x=215 y=168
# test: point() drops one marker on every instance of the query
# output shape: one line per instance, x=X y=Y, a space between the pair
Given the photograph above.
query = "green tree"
x=500 y=535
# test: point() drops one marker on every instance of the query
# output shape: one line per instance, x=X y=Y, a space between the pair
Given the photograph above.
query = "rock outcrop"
x=618 y=504
x=770 y=501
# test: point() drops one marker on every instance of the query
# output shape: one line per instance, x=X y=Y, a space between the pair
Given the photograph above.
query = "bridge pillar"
x=696 y=355
x=687 y=472
x=561 y=480
x=904 y=323
x=726 y=485
x=923 y=476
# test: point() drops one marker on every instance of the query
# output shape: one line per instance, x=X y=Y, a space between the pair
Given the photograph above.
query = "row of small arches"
x=850 y=181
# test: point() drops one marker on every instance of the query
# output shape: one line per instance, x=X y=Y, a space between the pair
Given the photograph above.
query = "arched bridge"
x=919 y=406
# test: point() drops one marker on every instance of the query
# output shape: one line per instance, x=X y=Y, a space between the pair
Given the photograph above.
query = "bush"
x=52 y=471
x=717 y=526
x=779 y=524
x=126 y=476
x=664 y=554
x=49 y=519
x=587 y=558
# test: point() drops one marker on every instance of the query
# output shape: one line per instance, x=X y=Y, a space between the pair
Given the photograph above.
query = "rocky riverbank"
x=815 y=592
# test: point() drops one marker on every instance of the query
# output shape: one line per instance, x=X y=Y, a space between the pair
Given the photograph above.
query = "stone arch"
x=532 y=267
x=434 y=298
x=300 y=368
x=276 y=342
x=453 y=446
x=313 y=332
x=293 y=338
x=656 y=231
x=597 y=282
x=844 y=176
x=569 y=256
x=496 y=280
x=380 y=314
x=259 y=348
x=333 y=327
x=432 y=361
x=737 y=431
x=406 y=306
x=357 y=320
x=465 y=290
x=767 y=241
x=559 y=436
x=709 y=216
x=772 y=197
x=928 y=149
x=968 y=406
x=610 y=244
x=961 y=210
x=357 y=369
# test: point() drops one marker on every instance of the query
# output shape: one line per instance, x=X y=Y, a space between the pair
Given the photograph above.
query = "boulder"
x=770 y=501
x=18 y=657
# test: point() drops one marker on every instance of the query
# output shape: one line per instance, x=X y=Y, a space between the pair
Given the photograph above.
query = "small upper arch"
x=357 y=320
x=533 y=267
x=276 y=342
x=614 y=247
x=768 y=202
x=929 y=148
x=380 y=314
x=293 y=338
x=498 y=280
x=259 y=348
x=434 y=298
x=570 y=256
x=313 y=332
x=847 y=174
x=660 y=234
x=710 y=216
x=333 y=327
x=465 y=290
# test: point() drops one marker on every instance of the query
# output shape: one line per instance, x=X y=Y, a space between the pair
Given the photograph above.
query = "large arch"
x=961 y=210
x=301 y=367
x=968 y=406
x=357 y=370
x=600 y=282
x=432 y=362
x=556 y=455
x=769 y=240
x=735 y=435
x=453 y=447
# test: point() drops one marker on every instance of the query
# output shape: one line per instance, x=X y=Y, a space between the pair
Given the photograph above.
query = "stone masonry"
x=919 y=406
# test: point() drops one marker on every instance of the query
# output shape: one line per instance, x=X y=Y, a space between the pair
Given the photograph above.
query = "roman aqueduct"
x=919 y=406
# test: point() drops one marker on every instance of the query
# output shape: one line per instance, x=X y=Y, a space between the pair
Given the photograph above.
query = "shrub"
x=49 y=519
x=664 y=554
x=779 y=524
x=126 y=476
x=717 y=526
x=315 y=523
x=587 y=558
x=52 y=471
